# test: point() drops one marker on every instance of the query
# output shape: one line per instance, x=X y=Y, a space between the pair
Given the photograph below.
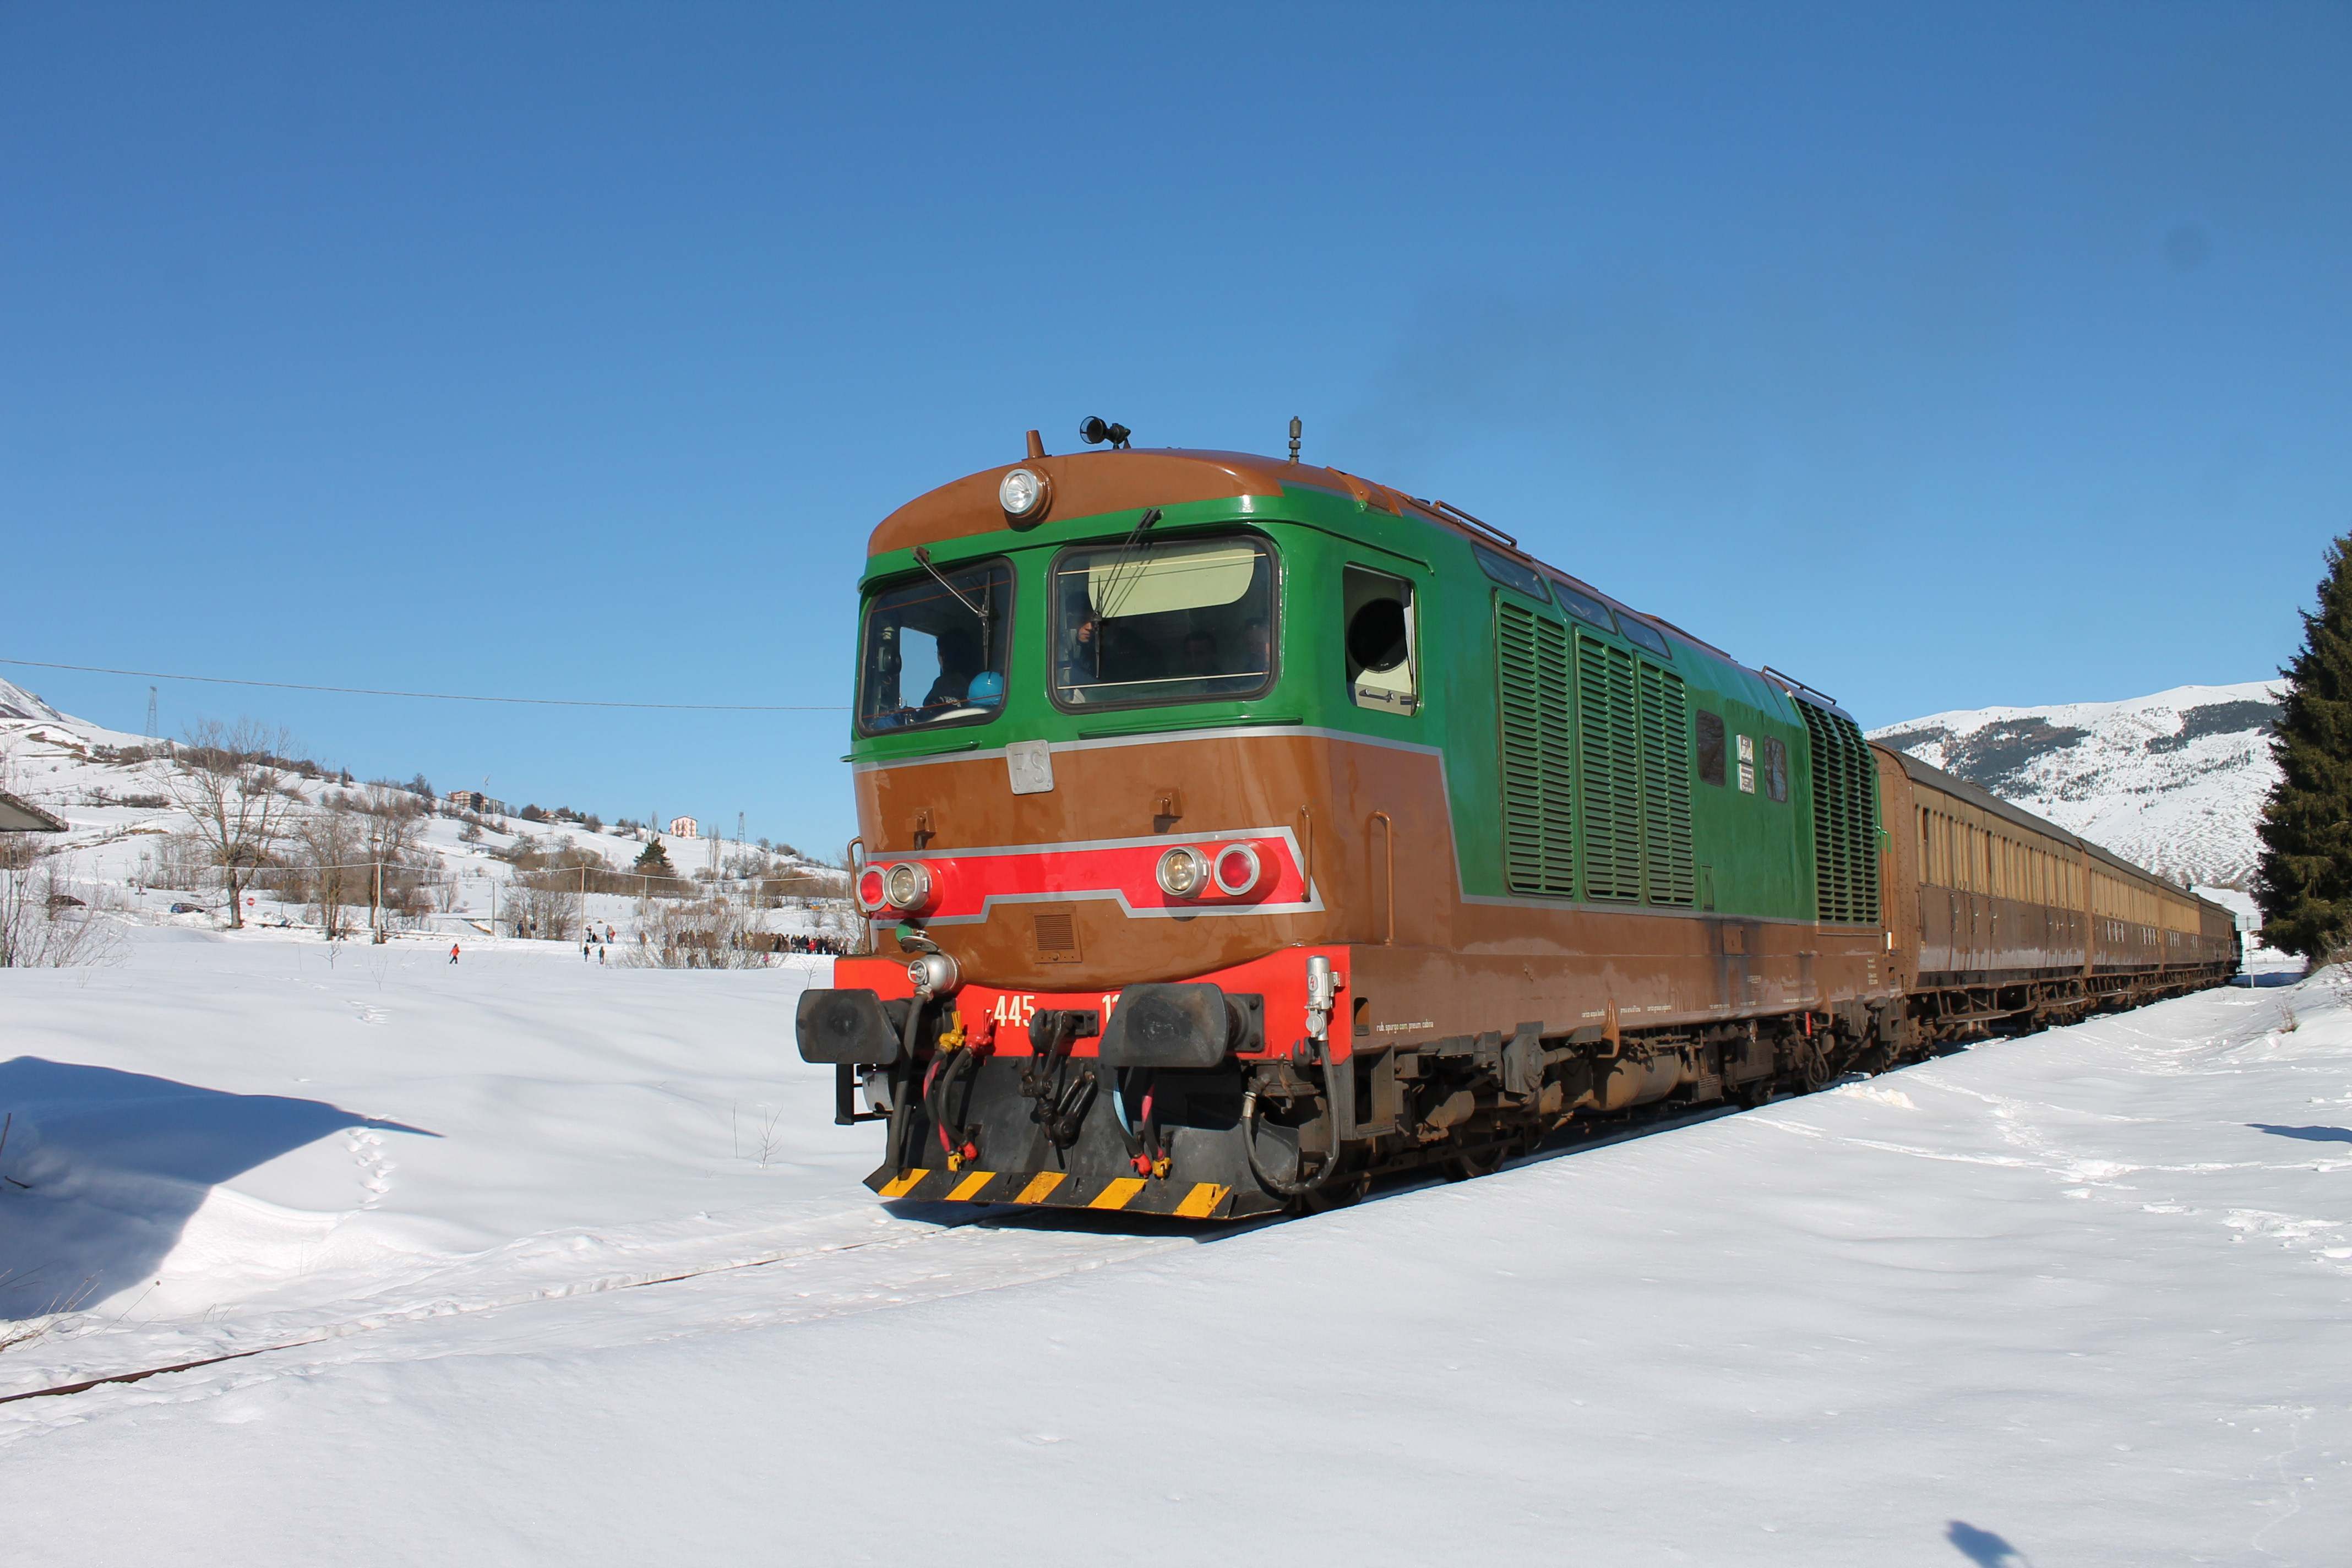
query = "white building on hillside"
x=684 y=828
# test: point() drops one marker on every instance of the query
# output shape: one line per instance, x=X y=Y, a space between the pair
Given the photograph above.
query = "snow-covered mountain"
x=2173 y=781
x=16 y=702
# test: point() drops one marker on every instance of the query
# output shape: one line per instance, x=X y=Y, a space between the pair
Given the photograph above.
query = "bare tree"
x=232 y=781
x=711 y=933
x=392 y=821
x=43 y=925
x=328 y=850
x=541 y=904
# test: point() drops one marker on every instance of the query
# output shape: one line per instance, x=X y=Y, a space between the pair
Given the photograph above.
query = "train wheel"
x=1338 y=1193
x=1473 y=1164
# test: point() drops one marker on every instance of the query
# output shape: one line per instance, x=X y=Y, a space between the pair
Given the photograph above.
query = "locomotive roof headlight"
x=1023 y=492
x=869 y=891
x=906 y=885
x=1183 y=873
x=1235 y=870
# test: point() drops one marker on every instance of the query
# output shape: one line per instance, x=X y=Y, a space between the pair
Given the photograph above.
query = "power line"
x=447 y=696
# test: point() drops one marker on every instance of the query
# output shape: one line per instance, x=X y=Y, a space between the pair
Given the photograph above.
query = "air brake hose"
x=1145 y=1153
x=1118 y=1114
x=1266 y=1179
x=902 y=1102
x=944 y=1084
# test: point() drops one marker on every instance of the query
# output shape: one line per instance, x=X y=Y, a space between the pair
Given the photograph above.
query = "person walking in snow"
x=453 y=953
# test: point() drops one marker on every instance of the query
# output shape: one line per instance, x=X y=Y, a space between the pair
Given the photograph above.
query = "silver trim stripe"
x=1163 y=738
x=1311 y=905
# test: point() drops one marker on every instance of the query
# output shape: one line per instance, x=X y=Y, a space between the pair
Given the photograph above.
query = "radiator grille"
x=1845 y=819
x=1608 y=730
x=1623 y=741
x=1673 y=876
x=1538 y=776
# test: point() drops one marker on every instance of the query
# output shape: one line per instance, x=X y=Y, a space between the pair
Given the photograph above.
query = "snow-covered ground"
x=2174 y=781
x=2077 y=1299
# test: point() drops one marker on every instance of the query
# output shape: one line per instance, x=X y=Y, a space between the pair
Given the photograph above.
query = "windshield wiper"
x=980 y=611
x=1118 y=580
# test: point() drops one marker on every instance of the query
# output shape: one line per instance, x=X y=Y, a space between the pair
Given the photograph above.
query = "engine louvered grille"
x=1845 y=819
x=1673 y=876
x=1539 y=776
x=1596 y=764
x=1610 y=753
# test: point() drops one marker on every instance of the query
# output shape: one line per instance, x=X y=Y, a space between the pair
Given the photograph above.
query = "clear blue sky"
x=1941 y=357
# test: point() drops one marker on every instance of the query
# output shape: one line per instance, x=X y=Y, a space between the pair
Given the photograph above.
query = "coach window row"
x=1973 y=860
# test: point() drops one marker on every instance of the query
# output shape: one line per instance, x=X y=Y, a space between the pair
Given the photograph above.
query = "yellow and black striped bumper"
x=1057 y=1189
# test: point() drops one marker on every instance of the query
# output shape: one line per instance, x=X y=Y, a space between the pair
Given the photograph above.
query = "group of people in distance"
x=829 y=945
x=597 y=942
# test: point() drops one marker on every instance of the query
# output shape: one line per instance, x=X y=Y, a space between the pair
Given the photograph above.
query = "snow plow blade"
x=1063 y=1190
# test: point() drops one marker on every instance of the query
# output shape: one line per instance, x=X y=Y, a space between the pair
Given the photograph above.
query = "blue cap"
x=987 y=688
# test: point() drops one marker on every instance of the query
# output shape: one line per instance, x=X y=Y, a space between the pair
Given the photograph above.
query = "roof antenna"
x=1296 y=430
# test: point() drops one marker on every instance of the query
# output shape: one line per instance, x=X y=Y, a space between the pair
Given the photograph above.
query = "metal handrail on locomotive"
x=1235 y=830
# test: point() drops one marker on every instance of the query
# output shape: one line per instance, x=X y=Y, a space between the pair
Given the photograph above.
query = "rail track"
x=941 y=1254
x=932 y=1252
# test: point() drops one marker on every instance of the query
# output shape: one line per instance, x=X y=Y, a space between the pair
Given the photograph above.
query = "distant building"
x=23 y=817
x=684 y=828
x=475 y=800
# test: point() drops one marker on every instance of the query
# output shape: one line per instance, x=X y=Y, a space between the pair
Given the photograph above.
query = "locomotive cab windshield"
x=1163 y=621
x=935 y=649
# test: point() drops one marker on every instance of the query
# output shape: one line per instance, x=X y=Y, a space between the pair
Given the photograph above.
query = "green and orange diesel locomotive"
x=1235 y=830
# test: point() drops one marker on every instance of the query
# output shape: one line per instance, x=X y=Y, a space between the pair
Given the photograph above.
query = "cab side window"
x=1710 y=747
x=1383 y=660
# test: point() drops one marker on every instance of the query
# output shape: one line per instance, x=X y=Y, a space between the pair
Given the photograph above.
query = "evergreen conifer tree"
x=2305 y=886
x=654 y=861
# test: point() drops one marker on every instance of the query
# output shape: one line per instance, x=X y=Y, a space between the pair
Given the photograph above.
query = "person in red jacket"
x=453 y=953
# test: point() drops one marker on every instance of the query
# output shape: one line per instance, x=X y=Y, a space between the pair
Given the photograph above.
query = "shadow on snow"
x=1983 y=1547
x=104 y=1167
x=2309 y=1134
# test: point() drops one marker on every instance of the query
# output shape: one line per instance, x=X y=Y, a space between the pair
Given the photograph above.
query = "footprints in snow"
x=375 y=1172
x=2290 y=1231
x=2083 y=1176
